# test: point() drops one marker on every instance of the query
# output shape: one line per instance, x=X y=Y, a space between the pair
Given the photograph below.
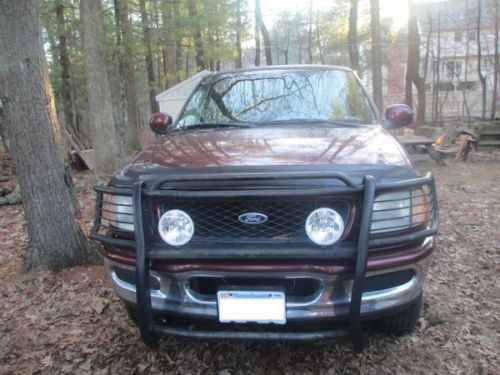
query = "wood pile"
x=9 y=188
x=489 y=133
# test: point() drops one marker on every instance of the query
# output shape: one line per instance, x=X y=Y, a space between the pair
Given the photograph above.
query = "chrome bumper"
x=331 y=300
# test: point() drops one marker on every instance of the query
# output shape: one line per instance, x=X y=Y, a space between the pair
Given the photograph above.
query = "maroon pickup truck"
x=277 y=206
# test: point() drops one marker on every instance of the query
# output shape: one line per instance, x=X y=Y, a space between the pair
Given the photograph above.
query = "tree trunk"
x=55 y=239
x=198 y=43
x=496 y=68
x=120 y=99
x=466 y=68
x=148 y=56
x=104 y=138
x=482 y=78
x=352 y=37
x=427 y=49
x=318 y=42
x=412 y=73
x=159 y=43
x=310 y=33
x=257 y=37
x=237 y=61
x=127 y=57
x=178 y=40
x=171 y=66
x=435 y=94
x=265 y=33
x=62 y=48
x=376 y=54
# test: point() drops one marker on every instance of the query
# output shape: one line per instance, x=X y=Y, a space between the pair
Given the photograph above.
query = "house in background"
x=172 y=100
x=448 y=29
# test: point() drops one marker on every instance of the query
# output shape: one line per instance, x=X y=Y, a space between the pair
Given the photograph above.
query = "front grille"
x=286 y=219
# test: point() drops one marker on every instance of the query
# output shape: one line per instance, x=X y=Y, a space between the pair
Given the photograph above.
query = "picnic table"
x=420 y=148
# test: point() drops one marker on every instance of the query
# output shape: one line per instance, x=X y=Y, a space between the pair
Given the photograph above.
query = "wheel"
x=403 y=321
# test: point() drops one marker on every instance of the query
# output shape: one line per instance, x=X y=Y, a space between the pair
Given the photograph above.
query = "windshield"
x=275 y=96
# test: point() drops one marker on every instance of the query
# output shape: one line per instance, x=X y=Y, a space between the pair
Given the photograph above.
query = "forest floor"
x=71 y=322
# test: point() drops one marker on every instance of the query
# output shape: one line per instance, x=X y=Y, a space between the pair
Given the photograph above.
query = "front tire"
x=403 y=321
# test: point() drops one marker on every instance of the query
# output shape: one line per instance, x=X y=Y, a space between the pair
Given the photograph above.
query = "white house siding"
x=172 y=100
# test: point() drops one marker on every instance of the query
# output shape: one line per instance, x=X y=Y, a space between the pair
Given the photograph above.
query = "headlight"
x=176 y=227
x=119 y=212
x=399 y=211
x=324 y=226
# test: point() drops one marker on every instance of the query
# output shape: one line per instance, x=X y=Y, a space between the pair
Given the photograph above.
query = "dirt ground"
x=71 y=322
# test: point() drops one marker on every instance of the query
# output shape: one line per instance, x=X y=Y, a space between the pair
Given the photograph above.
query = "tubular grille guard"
x=146 y=250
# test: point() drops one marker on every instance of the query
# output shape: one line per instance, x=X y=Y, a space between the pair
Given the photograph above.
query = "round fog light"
x=176 y=227
x=324 y=226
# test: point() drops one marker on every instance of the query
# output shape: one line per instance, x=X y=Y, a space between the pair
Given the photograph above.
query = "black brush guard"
x=147 y=251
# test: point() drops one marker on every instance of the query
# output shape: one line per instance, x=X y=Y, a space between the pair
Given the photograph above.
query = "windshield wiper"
x=211 y=125
x=316 y=121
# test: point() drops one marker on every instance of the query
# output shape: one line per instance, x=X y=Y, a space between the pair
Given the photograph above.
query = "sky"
x=395 y=9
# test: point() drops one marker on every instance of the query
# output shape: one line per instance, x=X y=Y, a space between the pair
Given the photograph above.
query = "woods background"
x=146 y=46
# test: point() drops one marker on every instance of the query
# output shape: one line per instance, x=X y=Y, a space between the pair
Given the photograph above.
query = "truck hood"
x=272 y=145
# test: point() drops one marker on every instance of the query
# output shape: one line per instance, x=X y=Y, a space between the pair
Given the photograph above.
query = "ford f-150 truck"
x=278 y=206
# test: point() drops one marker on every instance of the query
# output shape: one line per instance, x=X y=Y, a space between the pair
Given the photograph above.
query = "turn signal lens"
x=400 y=210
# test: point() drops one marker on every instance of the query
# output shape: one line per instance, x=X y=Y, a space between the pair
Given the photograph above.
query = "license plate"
x=240 y=306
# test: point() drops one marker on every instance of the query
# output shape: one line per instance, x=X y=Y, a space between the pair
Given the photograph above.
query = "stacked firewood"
x=9 y=188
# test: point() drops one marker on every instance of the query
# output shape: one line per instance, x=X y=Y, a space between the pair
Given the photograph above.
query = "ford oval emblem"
x=252 y=218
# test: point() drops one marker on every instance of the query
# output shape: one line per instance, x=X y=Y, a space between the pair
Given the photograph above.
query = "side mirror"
x=397 y=116
x=159 y=122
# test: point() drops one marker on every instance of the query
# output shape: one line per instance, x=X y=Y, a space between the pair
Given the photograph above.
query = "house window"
x=435 y=66
x=471 y=36
x=458 y=36
x=454 y=68
x=487 y=62
x=445 y=86
x=468 y=85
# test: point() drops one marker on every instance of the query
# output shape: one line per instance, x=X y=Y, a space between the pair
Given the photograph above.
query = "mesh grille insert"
x=286 y=219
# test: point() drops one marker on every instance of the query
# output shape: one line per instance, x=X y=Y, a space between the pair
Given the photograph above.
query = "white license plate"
x=239 y=306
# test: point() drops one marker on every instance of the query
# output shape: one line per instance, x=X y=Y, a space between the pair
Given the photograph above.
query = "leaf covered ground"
x=71 y=322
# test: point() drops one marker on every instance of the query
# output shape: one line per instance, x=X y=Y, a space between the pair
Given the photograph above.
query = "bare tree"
x=55 y=238
x=257 y=33
x=265 y=34
x=376 y=54
x=64 y=62
x=104 y=138
x=124 y=28
x=496 y=68
x=310 y=33
x=198 y=43
x=120 y=94
x=318 y=41
x=237 y=60
x=482 y=78
x=466 y=72
x=436 y=71
x=148 y=56
x=178 y=39
x=352 y=36
x=413 y=70
x=428 y=47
